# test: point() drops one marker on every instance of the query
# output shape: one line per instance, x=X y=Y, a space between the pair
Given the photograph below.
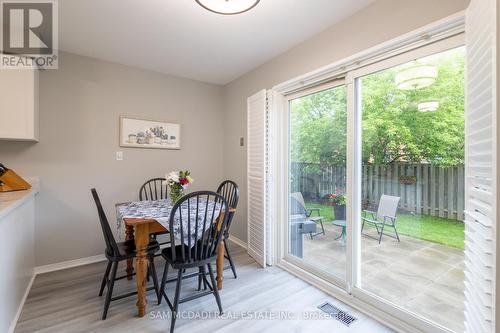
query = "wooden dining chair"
x=155 y=189
x=190 y=249
x=116 y=252
x=229 y=190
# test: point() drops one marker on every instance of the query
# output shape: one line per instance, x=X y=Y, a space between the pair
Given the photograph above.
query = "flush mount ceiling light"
x=228 y=7
x=429 y=106
x=416 y=77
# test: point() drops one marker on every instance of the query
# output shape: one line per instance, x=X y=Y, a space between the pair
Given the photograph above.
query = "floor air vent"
x=337 y=313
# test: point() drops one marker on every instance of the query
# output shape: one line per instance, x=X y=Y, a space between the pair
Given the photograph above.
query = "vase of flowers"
x=338 y=200
x=178 y=181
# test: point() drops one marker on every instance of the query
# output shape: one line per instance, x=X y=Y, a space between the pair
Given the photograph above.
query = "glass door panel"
x=412 y=186
x=317 y=180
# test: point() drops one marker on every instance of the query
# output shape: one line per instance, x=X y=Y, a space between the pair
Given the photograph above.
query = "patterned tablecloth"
x=160 y=211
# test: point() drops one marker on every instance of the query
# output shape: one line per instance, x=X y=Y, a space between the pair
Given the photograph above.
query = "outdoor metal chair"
x=384 y=217
x=299 y=207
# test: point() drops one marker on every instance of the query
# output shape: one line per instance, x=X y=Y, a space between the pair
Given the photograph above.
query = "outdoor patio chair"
x=298 y=206
x=384 y=217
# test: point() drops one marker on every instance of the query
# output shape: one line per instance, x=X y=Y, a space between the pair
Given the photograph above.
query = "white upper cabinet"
x=19 y=104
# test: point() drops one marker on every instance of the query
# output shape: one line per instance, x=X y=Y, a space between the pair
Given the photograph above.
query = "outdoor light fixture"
x=416 y=77
x=429 y=106
x=228 y=7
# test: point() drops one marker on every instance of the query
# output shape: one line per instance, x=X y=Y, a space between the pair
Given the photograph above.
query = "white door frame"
x=442 y=35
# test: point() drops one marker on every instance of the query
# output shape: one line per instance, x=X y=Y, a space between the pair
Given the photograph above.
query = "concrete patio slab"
x=420 y=276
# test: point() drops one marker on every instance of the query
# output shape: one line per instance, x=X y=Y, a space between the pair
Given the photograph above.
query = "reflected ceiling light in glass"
x=428 y=106
x=228 y=7
x=416 y=77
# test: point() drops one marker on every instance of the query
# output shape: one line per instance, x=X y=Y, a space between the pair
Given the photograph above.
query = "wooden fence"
x=423 y=189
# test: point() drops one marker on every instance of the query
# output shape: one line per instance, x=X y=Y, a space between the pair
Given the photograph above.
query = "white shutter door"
x=256 y=176
x=480 y=166
x=275 y=105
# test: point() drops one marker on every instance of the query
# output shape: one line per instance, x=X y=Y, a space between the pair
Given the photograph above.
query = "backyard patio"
x=421 y=276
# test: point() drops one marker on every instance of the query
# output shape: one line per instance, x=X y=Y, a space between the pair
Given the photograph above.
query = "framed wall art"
x=142 y=133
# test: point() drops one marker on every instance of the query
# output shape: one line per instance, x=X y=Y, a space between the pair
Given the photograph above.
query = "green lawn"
x=429 y=228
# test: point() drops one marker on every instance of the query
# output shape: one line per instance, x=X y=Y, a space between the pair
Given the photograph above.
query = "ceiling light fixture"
x=228 y=7
x=416 y=77
x=429 y=106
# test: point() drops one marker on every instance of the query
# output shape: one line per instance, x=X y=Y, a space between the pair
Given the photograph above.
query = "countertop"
x=9 y=201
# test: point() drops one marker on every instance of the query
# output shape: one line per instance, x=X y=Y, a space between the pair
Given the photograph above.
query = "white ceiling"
x=179 y=37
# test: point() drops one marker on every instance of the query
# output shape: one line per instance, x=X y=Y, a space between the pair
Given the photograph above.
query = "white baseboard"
x=69 y=264
x=238 y=241
x=21 y=305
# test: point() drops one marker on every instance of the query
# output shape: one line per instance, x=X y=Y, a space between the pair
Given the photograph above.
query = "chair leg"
x=200 y=277
x=109 y=293
x=163 y=283
x=231 y=263
x=215 y=291
x=397 y=235
x=176 y=300
x=105 y=278
x=322 y=228
x=154 y=275
x=374 y=224
x=381 y=233
x=205 y=282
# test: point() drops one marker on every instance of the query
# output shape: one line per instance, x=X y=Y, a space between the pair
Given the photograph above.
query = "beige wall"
x=379 y=22
x=79 y=108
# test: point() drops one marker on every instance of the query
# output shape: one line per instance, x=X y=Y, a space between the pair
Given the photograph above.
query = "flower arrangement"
x=337 y=199
x=178 y=181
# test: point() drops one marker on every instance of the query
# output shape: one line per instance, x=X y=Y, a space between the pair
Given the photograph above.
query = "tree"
x=393 y=129
x=318 y=127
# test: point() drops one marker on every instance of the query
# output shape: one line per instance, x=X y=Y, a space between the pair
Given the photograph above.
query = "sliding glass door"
x=374 y=184
x=412 y=186
x=317 y=179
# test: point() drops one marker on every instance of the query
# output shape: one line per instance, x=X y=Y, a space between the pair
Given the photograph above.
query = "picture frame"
x=149 y=134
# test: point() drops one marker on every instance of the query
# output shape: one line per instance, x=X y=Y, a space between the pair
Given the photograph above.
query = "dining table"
x=143 y=218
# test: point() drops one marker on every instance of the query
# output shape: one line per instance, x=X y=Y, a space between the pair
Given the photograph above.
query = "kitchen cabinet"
x=19 y=104
x=17 y=244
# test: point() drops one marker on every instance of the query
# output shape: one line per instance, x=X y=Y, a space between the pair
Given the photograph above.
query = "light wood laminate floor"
x=66 y=301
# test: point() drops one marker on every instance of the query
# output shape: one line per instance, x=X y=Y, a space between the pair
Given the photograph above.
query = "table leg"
x=220 y=263
x=344 y=234
x=129 y=235
x=141 y=262
x=220 y=253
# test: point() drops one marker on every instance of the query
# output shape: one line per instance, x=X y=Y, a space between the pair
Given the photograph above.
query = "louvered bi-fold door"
x=256 y=176
x=480 y=157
